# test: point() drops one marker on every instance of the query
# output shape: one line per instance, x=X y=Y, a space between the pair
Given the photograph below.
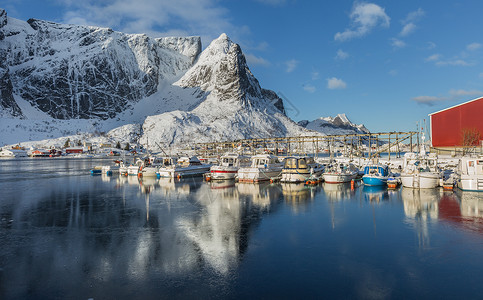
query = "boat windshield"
x=260 y=162
x=228 y=161
x=290 y=163
x=302 y=163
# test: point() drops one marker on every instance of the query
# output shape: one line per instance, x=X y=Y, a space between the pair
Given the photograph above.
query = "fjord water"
x=69 y=235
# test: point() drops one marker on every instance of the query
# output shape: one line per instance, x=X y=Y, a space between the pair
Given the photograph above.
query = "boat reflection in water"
x=375 y=194
x=463 y=209
x=262 y=195
x=79 y=237
x=421 y=208
x=298 y=195
x=227 y=216
x=337 y=191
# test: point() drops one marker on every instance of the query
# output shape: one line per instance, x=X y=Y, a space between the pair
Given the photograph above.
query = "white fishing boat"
x=151 y=166
x=420 y=172
x=122 y=168
x=376 y=174
x=184 y=167
x=110 y=169
x=166 y=170
x=469 y=173
x=263 y=167
x=300 y=169
x=339 y=172
x=133 y=169
x=228 y=166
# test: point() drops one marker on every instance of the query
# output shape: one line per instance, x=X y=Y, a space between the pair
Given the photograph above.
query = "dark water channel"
x=68 y=235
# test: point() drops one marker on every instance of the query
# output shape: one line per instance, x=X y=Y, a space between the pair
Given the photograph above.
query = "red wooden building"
x=448 y=125
x=74 y=150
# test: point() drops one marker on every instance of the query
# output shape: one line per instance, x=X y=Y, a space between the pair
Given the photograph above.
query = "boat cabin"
x=169 y=161
x=231 y=160
x=189 y=161
x=380 y=170
x=471 y=165
x=298 y=162
x=261 y=161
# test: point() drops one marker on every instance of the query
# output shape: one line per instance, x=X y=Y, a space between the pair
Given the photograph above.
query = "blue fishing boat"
x=375 y=174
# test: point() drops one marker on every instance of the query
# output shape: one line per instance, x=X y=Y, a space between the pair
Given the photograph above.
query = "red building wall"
x=73 y=150
x=447 y=125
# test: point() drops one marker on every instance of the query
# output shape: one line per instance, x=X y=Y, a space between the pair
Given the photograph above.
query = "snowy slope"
x=234 y=105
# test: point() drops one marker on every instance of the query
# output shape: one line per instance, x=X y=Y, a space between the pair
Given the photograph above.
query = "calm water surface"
x=69 y=235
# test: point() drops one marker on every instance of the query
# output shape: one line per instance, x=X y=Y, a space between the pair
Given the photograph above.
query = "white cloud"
x=364 y=17
x=153 y=17
x=452 y=95
x=335 y=83
x=473 y=46
x=272 y=2
x=393 y=72
x=341 y=55
x=309 y=88
x=408 y=23
x=459 y=93
x=396 y=43
x=315 y=75
x=407 y=29
x=434 y=57
x=431 y=45
x=291 y=65
x=414 y=16
x=254 y=60
x=428 y=100
x=454 y=62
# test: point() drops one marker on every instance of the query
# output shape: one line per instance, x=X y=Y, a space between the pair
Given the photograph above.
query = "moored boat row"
x=420 y=171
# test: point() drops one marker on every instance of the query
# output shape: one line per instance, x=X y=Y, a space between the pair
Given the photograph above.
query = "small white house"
x=13 y=153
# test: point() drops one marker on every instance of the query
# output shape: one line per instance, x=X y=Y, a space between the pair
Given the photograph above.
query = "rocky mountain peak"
x=339 y=124
x=222 y=69
x=3 y=17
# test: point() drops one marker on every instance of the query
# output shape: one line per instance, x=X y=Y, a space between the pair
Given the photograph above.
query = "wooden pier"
x=370 y=144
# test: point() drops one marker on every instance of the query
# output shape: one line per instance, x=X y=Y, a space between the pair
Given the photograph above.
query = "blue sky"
x=386 y=64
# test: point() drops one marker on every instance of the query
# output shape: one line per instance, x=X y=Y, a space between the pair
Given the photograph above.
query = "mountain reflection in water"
x=71 y=235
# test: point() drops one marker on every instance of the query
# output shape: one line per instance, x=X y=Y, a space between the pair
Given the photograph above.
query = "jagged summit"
x=339 y=124
x=3 y=17
x=222 y=69
x=234 y=105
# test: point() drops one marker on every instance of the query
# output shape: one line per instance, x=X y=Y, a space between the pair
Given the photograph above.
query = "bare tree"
x=470 y=138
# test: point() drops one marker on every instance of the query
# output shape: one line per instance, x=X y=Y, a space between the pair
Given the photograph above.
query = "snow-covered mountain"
x=334 y=125
x=84 y=72
x=234 y=106
x=59 y=81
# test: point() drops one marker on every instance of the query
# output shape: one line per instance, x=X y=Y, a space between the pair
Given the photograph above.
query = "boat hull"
x=192 y=171
x=149 y=171
x=374 y=180
x=257 y=174
x=470 y=183
x=338 y=177
x=223 y=173
x=299 y=175
x=132 y=170
x=426 y=180
x=294 y=176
